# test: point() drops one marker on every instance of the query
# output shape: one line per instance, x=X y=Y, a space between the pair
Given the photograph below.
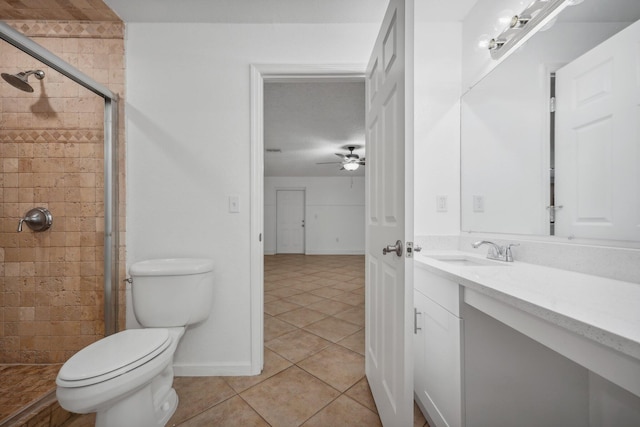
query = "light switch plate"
x=234 y=204
x=441 y=203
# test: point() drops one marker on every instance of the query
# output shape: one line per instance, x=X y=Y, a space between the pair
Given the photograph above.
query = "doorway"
x=290 y=211
x=260 y=74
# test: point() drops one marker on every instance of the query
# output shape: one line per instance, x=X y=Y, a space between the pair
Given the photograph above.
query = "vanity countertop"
x=604 y=310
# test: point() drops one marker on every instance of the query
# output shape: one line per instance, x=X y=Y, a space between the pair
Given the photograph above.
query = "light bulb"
x=351 y=166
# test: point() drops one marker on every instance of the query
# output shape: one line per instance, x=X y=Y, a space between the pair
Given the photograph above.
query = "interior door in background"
x=597 y=141
x=389 y=192
x=290 y=221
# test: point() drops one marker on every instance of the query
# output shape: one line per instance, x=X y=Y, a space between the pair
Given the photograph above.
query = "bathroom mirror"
x=549 y=139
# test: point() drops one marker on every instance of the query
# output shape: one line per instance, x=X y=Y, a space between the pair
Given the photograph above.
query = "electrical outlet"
x=478 y=203
x=441 y=203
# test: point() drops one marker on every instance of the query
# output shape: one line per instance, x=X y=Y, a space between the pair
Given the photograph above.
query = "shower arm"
x=38 y=73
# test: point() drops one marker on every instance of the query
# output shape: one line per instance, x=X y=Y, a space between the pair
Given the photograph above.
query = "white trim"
x=337 y=252
x=257 y=221
x=224 y=370
x=260 y=73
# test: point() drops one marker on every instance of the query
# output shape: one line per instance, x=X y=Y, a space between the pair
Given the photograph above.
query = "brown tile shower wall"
x=51 y=155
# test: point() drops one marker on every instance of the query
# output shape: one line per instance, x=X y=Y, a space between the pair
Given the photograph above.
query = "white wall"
x=334 y=213
x=437 y=125
x=188 y=137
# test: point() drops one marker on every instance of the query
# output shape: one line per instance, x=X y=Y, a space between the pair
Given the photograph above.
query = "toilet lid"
x=113 y=356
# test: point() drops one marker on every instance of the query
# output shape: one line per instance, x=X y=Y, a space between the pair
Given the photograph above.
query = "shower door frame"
x=111 y=184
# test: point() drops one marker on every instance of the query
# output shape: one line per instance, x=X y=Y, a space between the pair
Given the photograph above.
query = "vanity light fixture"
x=519 y=21
x=524 y=25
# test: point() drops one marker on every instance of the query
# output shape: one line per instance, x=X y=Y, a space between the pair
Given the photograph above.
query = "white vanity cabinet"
x=438 y=349
x=518 y=344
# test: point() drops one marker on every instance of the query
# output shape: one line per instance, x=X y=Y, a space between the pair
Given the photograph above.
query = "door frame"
x=304 y=216
x=259 y=74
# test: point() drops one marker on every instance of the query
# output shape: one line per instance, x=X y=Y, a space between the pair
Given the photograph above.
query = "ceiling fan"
x=350 y=162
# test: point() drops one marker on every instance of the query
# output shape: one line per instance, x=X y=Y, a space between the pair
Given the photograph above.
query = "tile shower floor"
x=23 y=385
x=314 y=355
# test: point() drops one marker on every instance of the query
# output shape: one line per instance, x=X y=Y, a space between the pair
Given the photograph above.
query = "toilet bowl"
x=127 y=378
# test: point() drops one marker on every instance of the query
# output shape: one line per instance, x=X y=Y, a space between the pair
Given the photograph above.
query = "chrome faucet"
x=500 y=253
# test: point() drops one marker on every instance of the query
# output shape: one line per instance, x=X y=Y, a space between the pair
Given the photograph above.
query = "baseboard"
x=336 y=252
x=327 y=252
x=213 y=370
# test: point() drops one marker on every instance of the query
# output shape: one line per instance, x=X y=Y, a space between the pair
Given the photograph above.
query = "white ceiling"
x=250 y=11
x=310 y=122
x=279 y=11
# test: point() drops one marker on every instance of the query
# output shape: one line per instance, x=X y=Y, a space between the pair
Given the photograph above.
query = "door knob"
x=397 y=248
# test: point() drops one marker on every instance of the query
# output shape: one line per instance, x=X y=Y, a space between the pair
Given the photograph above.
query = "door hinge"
x=415 y=321
x=552 y=104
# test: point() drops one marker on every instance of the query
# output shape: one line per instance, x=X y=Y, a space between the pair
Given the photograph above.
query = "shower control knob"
x=38 y=219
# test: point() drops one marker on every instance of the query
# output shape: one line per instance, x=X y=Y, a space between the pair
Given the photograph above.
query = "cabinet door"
x=440 y=391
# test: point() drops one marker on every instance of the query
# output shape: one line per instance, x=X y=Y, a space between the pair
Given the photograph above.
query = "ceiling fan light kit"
x=350 y=162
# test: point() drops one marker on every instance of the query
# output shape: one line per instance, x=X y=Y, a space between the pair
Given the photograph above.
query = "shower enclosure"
x=59 y=286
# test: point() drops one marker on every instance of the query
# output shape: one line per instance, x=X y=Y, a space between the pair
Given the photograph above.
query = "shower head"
x=20 y=80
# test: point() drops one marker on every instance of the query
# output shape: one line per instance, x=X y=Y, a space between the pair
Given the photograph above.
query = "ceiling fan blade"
x=329 y=163
x=342 y=156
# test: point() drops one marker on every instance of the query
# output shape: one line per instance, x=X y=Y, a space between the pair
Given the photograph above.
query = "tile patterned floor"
x=314 y=355
x=22 y=385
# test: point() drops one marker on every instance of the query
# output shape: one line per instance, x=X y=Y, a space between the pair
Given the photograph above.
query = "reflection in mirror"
x=550 y=140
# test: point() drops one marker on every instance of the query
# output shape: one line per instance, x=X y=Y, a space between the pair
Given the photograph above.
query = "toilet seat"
x=113 y=356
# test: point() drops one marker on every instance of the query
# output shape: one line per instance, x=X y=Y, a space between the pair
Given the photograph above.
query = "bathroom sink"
x=467 y=261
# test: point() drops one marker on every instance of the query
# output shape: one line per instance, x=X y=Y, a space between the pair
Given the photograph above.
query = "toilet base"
x=139 y=410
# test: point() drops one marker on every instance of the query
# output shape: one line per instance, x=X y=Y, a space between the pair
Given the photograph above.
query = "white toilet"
x=127 y=378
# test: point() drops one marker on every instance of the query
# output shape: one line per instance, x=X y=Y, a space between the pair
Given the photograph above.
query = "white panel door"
x=598 y=142
x=290 y=221
x=389 y=192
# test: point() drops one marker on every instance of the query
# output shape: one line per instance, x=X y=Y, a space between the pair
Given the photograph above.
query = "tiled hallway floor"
x=314 y=355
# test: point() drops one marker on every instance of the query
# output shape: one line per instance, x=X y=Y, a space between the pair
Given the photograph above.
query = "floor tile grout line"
x=331 y=342
x=340 y=393
x=254 y=409
x=309 y=332
x=336 y=398
x=319 y=320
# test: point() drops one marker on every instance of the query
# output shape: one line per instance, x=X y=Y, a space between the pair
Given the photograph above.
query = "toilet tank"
x=171 y=292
